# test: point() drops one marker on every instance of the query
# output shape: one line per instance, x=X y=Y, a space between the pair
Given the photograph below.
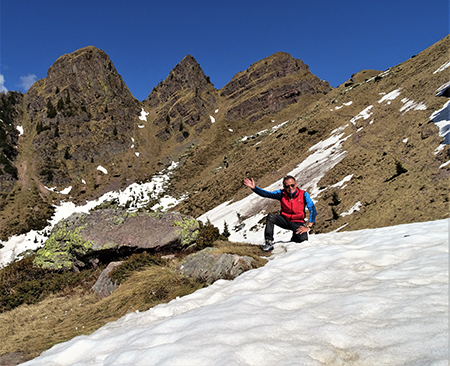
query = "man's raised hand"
x=250 y=183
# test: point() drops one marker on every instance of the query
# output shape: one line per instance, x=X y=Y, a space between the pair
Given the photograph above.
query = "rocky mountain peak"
x=271 y=85
x=78 y=117
x=88 y=71
x=274 y=67
x=185 y=77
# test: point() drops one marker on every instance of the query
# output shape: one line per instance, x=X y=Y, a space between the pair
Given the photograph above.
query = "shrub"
x=51 y=111
x=399 y=167
x=226 y=233
x=40 y=127
x=335 y=199
x=21 y=283
x=207 y=235
x=60 y=105
x=335 y=214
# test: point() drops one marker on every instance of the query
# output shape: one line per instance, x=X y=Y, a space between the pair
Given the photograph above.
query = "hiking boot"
x=268 y=246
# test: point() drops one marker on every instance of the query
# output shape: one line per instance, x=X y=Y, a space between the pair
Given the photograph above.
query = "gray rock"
x=209 y=265
x=80 y=237
x=105 y=285
x=12 y=359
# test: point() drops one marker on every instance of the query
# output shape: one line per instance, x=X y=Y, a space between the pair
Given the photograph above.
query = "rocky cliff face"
x=182 y=101
x=82 y=113
x=269 y=86
x=9 y=111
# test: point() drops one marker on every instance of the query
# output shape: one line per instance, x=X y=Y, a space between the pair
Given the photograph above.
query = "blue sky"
x=146 y=39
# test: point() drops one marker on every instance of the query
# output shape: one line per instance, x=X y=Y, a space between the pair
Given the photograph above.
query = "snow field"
x=371 y=297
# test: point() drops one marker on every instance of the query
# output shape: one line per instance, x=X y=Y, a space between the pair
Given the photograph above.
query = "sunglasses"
x=289 y=185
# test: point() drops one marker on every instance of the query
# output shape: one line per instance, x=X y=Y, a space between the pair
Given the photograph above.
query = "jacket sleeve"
x=311 y=208
x=268 y=194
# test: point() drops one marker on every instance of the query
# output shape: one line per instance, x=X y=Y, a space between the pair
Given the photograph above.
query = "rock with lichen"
x=79 y=239
x=210 y=265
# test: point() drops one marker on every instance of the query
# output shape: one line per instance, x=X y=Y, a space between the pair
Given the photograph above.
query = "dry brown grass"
x=32 y=329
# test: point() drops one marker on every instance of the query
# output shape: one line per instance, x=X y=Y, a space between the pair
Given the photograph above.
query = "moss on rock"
x=188 y=230
x=63 y=247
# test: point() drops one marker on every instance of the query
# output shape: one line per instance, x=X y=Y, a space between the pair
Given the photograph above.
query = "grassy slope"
x=76 y=310
x=419 y=194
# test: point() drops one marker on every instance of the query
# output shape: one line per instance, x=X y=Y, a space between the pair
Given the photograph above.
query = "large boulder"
x=210 y=265
x=82 y=237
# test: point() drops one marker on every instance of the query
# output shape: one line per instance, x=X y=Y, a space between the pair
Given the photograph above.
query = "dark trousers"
x=280 y=221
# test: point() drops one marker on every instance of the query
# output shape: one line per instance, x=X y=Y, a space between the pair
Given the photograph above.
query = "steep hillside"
x=8 y=140
x=379 y=165
x=270 y=91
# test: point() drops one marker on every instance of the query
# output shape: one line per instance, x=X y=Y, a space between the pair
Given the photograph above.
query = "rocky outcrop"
x=76 y=241
x=210 y=265
x=81 y=113
x=12 y=359
x=9 y=115
x=269 y=86
x=182 y=101
x=105 y=285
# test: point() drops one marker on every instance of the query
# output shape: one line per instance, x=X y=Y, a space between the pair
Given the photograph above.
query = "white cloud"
x=26 y=81
x=2 y=82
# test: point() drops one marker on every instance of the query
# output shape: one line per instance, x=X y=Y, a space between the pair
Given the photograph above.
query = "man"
x=292 y=216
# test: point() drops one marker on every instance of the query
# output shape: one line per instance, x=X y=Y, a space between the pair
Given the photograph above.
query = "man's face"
x=290 y=186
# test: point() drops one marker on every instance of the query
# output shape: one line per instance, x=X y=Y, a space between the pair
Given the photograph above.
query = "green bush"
x=21 y=283
x=208 y=234
x=51 y=111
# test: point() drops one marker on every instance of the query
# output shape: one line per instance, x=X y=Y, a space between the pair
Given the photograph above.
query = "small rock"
x=209 y=265
x=105 y=285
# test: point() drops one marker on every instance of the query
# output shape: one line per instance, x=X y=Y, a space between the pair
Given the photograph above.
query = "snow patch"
x=212 y=119
x=20 y=129
x=135 y=196
x=354 y=208
x=103 y=170
x=143 y=116
x=442 y=119
x=442 y=89
x=343 y=104
x=271 y=130
x=391 y=96
x=342 y=182
x=412 y=105
x=442 y=68
x=365 y=114
x=444 y=165
x=66 y=190
x=377 y=296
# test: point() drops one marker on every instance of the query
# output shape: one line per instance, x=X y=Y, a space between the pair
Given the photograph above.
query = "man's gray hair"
x=289 y=177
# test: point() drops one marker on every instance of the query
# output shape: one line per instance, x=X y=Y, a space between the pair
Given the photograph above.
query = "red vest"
x=293 y=209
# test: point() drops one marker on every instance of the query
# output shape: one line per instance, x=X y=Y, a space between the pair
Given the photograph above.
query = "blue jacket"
x=278 y=195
